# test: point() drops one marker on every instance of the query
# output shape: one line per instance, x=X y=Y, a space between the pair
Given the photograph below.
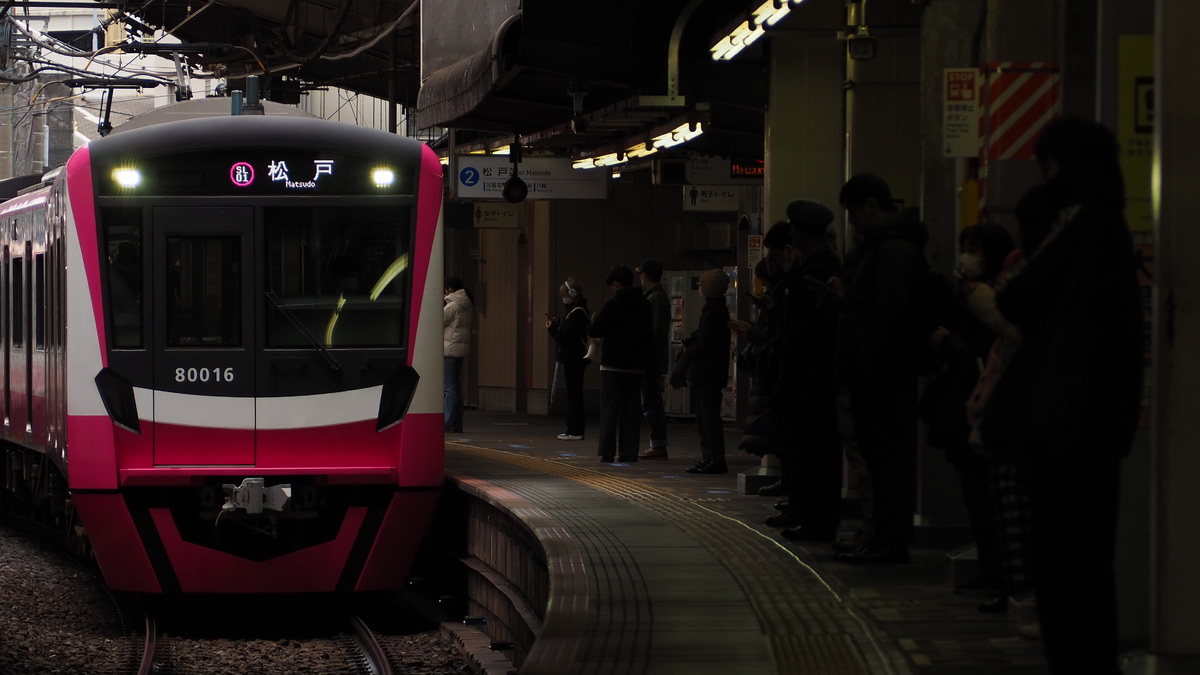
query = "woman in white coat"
x=456 y=343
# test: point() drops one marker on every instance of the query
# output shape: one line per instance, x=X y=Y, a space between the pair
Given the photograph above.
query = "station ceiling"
x=567 y=77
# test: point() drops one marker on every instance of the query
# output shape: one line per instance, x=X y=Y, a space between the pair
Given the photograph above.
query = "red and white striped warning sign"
x=1022 y=97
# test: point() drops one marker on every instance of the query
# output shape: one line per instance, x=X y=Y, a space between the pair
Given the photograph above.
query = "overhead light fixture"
x=610 y=159
x=680 y=134
x=640 y=150
x=749 y=31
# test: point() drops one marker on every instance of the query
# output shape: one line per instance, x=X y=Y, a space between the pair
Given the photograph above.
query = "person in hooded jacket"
x=880 y=342
x=571 y=338
x=457 y=313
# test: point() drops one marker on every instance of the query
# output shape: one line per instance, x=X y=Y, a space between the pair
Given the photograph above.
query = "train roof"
x=208 y=132
x=11 y=187
x=200 y=108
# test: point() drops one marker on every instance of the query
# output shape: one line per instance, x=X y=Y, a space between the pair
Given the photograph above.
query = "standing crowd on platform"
x=1025 y=367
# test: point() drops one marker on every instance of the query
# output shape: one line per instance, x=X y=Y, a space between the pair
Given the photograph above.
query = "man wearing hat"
x=814 y=474
x=651 y=272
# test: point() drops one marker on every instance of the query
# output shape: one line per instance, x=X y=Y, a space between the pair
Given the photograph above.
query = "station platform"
x=654 y=570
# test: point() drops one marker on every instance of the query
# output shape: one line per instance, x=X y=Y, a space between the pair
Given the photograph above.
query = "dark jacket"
x=660 y=321
x=806 y=364
x=570 y=334
x=709 y=350
x=1077 y=304
x=878 y=330
x=624 y=323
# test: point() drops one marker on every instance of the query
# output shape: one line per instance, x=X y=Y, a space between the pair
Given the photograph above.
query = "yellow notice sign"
x=1135 y=126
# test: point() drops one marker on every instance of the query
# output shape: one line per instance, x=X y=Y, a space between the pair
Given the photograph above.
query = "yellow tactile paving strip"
x=810 y=625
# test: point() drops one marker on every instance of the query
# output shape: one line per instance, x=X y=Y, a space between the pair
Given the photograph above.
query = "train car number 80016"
x=204 y=374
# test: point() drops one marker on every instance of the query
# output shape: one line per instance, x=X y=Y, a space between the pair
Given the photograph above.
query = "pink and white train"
x=221 y=354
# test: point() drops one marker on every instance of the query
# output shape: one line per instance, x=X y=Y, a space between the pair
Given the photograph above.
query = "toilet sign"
x=960 y=112
x=497 y=215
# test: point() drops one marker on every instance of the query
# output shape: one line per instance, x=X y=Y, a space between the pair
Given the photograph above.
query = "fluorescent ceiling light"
x=748 y=32
x=680 y=134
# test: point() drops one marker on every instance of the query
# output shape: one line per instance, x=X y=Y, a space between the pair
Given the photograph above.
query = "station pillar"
x=1175 y=427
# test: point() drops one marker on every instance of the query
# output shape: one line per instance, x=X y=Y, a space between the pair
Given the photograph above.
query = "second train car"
x=222 y=354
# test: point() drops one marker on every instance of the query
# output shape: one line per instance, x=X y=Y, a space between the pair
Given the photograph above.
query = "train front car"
x=254 y=388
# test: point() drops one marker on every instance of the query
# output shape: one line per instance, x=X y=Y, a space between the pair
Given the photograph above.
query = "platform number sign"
x=469 y=176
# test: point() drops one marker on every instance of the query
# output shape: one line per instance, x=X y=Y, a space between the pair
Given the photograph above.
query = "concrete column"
x=1175 y=464
x=803 y=147
x=950 y=32
x=883 y=120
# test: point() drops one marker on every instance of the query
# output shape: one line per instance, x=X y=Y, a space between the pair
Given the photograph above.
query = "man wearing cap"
x=651 y=272
x=815 y=485
x=805 y=312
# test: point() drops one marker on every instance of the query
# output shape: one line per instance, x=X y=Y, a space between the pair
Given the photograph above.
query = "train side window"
x=204 y=291
x=17 y=319
x=39 y=301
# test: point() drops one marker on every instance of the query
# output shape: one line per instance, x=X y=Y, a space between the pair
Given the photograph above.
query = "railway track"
x=374 y=660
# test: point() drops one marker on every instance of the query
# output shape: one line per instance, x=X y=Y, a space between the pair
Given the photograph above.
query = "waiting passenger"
x=708 y=371
x=650 y=272
x=815 y=486
x=456 y=341
x=1067 y=406
x=624 y=324
x=962 y=343
x=879 y=343
x=570 y=337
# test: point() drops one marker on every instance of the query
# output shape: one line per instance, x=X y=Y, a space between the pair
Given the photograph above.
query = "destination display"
x=256 y=172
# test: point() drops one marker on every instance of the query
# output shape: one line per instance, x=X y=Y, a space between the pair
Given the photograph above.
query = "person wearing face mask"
x=571 y=339
x=962 y=345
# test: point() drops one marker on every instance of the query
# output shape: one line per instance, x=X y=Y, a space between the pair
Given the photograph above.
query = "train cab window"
x=125 y=287
x=204 y=293
x=18 y=303
x=338 y=274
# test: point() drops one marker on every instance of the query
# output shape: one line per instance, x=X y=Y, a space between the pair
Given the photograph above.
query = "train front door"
x=203 y=336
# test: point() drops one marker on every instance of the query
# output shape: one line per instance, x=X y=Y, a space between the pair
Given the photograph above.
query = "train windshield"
x=336 y=277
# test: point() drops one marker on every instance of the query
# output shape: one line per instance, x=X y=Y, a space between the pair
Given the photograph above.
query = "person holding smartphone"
x=571 y=339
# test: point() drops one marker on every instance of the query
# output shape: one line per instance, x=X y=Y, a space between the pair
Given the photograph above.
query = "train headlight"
x=383 y=177
x=127 y=178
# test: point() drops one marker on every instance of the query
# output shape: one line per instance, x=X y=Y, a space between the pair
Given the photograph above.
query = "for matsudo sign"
x=484 y=176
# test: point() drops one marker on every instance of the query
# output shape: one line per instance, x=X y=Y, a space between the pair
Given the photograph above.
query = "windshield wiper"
x=299 y=325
